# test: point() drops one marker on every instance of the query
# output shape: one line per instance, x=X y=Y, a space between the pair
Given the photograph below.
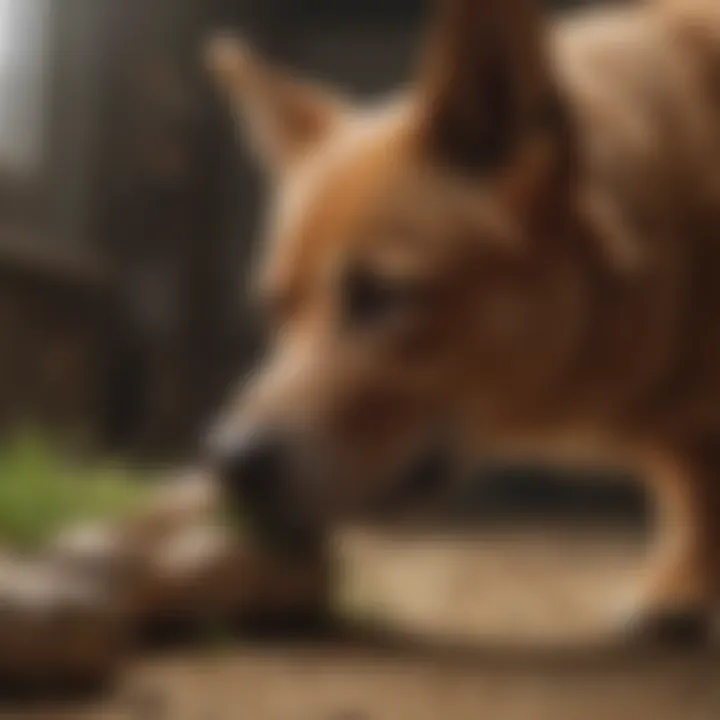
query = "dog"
x=518 y=254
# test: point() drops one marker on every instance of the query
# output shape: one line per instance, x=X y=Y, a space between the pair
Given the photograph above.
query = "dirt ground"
x=499 y=626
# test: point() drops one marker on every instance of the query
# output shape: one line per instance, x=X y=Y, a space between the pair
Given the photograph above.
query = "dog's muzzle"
x=254 y=473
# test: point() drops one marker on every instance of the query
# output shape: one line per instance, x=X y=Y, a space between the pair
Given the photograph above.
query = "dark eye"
x=371 y=299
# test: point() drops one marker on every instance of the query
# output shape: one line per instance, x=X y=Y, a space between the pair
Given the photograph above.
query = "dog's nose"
x=252 y=472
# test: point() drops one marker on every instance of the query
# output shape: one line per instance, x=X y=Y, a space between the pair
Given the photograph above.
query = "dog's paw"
x=671 y=628
x=653 y=620
x=674 y=629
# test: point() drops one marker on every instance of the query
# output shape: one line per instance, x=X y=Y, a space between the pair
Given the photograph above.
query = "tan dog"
x=520 y=253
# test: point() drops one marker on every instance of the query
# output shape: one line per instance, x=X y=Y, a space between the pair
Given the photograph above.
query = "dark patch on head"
x=489 y=89
x=476 y=143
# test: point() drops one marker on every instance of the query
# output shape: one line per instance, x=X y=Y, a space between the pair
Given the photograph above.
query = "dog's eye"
x=370 y=299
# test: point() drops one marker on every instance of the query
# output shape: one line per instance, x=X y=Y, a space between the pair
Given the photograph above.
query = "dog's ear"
x=488 y=85
x=283 y=117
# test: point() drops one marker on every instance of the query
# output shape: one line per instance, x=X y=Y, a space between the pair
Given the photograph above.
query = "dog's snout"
x=252 y=471
x=256 y=480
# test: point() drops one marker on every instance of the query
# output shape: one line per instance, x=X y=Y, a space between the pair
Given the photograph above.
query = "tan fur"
x=571 y=283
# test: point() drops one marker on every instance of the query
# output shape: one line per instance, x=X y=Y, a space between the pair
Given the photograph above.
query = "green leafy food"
x=43 y=490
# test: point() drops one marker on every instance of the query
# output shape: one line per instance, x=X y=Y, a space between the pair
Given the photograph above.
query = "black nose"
x=252 y=472
x=255 y=475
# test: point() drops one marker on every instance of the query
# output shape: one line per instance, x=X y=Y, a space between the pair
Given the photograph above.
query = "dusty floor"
x=505 y=625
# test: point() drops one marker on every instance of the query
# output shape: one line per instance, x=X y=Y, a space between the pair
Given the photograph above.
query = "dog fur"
x=521 y=251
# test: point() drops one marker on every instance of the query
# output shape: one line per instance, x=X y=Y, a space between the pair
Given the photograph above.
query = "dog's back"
x=644 y=85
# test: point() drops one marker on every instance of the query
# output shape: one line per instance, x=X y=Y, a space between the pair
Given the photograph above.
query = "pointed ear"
x=283 y=117
x=488 y=85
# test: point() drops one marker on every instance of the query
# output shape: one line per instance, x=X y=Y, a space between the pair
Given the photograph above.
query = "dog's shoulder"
x=643 y=83
x=652 y=61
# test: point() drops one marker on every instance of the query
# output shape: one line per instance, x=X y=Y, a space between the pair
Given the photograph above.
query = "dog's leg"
x=683 y=587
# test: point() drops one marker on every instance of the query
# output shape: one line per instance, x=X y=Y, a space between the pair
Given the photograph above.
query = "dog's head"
x=413 y=275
